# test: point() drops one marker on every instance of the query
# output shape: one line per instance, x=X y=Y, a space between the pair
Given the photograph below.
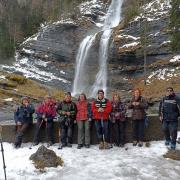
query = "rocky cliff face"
x=126 y=65
x=51 y=52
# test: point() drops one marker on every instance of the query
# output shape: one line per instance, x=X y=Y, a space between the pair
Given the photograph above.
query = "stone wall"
x=153 y=132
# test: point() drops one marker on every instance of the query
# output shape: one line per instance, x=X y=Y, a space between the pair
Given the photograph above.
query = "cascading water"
x=112 y=19
x=80 y=84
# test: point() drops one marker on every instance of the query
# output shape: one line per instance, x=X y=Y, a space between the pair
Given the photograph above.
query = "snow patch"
x=28 y=51
x=130 y=45
x=8 y=99
x=90 y=164
x=2 y=77
x=175 y=59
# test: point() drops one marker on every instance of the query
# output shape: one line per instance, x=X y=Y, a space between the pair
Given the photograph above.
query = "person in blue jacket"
x=23 y=117
x=169 y=111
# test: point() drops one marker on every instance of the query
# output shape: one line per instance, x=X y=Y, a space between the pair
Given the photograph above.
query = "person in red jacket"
x=83 y=118
x=101 y=109
x=46 y=113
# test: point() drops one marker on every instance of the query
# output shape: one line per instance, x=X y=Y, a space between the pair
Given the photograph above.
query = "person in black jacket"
x=169 y=111
x=23 y=117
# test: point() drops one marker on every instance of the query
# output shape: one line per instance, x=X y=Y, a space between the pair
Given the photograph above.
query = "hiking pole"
x=59 y=138
x=38 y=130
x=2 y=150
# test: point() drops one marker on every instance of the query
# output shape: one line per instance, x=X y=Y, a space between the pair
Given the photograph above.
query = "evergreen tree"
x=175 y=25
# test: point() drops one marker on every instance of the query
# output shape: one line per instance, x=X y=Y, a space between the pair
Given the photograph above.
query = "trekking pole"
x=2 y=150
x=38 y=130
x=59 y=138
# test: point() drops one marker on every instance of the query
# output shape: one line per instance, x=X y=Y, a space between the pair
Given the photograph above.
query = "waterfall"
x=80 y=84
x=112 y=19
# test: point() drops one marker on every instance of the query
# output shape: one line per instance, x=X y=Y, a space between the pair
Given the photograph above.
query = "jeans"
x=170 y=131
x=102 y=130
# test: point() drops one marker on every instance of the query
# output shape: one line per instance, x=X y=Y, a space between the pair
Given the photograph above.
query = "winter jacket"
x=118 y=111
x=105 y=104
x=139 y=110
x=24 y=114
x=83 y=111
x=67 y=107
x=46 y=110
x=169 y=108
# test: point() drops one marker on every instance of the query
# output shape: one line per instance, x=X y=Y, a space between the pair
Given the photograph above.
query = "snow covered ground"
x=136 y=163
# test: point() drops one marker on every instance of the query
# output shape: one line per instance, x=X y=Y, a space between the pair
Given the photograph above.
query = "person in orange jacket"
x=101 y=108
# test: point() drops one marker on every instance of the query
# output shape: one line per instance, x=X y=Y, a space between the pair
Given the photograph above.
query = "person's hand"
x=133 y=103
x=100 y=110
x=160 y=118
x=43 y=116
x=89 y=119
x=137 y=103
x=75 y=122
x=63 y=113
x=68 y=113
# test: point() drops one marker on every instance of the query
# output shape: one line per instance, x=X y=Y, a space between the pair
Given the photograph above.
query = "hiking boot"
x=140 y=144
x=173 y=146
x=79 y=146
x=17 y=145
x=167 y=143
x=101 y=145
x=62 y=146
x=134 y=143
x=121 y=145
x=87 y=146
x=69 y=145
x=49 y=144
x=106 y=145
x=35 y=143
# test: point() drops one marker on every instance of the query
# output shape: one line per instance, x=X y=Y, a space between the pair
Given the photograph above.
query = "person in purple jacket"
x=117 y=121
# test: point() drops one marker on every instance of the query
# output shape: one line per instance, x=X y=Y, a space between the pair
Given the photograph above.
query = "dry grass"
x=26 y=87
x=157 y=88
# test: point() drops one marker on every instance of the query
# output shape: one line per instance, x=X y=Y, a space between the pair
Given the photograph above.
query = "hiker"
x=101 y=108
x=23 y=117
x=46 y=113
x=117 y=121
x=169 y=111
x=138 y=105
x=83 y=118
x=67 y=112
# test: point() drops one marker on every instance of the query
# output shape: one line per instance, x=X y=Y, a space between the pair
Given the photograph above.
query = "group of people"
x=109 y=118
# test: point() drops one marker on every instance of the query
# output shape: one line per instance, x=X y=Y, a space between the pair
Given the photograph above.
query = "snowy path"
x=93 y=164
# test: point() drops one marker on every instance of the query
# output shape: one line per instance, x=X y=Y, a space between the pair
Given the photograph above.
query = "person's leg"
x=69 y=135
x=165 y=127
x=141 y=127
x=116 y=133
x=122 y=133
x=63 y=129
x=87 y=133
x=37 y=131
x=135 y=132
x=20 y=134
x=49 y=132
x=173 y=132
x=80 y=133
x=99 y=133
x=99 y=130
x=106 y=134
